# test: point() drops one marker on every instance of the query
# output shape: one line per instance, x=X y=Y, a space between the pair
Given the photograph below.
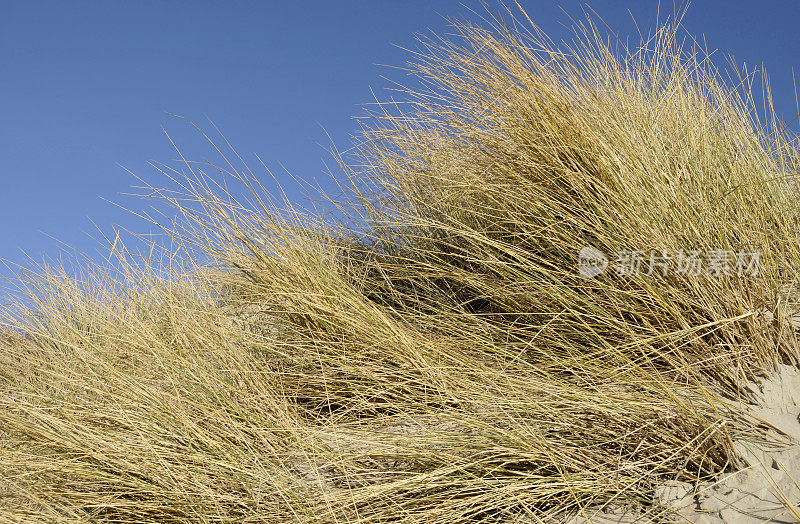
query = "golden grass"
x=435 y=356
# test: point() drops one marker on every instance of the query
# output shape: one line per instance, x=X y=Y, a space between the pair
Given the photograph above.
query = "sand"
x=766 y=489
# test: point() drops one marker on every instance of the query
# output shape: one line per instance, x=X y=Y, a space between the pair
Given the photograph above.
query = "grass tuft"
x=433 y=356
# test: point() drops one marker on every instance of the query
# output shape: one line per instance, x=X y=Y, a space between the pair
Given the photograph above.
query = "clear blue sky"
x=83 y=85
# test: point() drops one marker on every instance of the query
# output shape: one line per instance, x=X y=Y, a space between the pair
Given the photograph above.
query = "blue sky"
x=84 y=86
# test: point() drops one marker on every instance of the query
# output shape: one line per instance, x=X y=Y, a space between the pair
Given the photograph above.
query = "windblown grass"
x=434 y=356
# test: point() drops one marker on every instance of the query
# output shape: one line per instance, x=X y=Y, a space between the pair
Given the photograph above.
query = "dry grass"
x=434 y=357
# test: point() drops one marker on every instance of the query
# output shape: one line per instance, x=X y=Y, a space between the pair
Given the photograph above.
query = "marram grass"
x=435 y=355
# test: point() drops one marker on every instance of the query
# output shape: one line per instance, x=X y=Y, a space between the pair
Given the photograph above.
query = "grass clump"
x=435 y=356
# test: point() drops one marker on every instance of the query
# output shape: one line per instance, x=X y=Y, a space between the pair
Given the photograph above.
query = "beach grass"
x=432 y=354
